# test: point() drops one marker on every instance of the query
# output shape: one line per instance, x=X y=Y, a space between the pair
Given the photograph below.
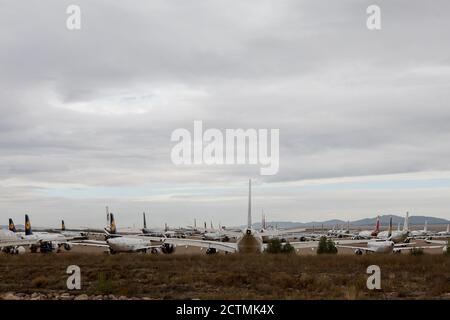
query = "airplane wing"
x=349 y=241
x=151 y=238
x=292 y=230
x=231 y=234
x=90 y=243
x=442 y=242
x=420 y=247
x=221 y=246
x=304 y=244
x=13 y=243
x=279 y=232
x=313 y=244
x=365 y=249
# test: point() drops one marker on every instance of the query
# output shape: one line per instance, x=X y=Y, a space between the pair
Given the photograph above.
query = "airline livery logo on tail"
x=27 y=226
x=11 y=226
x=113 y=224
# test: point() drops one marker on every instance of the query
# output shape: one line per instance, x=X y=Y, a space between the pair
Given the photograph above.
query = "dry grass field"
x=231 y=276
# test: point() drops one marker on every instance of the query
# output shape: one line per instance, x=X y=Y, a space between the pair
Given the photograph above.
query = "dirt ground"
x=237 y=276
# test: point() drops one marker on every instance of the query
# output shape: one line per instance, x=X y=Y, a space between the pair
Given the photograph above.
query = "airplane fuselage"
x=123 y=244
x=250 y=242
x=381 y=246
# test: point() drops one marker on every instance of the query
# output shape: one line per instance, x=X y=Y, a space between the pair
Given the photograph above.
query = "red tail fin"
x=377 y=226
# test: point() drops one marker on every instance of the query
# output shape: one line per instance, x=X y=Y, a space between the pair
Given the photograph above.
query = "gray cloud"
x=95 y=108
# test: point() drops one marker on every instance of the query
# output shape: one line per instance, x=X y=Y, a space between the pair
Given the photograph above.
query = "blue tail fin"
x=28 y=230
x=11 y=226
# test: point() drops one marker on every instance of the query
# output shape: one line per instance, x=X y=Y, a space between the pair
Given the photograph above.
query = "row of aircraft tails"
x=247 y=240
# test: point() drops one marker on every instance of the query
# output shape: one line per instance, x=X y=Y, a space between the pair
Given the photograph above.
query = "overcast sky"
x=86 y=115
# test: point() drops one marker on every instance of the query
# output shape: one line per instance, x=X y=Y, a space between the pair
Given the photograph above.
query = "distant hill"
x=384 y=220
x=18 y=227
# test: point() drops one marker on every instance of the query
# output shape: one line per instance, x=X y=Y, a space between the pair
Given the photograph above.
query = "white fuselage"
x=216 y=236
x=396 y=236
x=365 y=234
x=419 y=233
x=381 y=246
x=124 y=244
x=45 y=237
x=6 y=235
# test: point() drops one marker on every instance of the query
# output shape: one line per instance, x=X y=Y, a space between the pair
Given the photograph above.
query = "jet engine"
x=67 y=246
x=167 y=248
x=19 y=250
x=14 y=250
x=46 y=247
x=358 y=252
x=211 y=251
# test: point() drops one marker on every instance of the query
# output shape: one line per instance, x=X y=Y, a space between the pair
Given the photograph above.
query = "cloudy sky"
x=87 y=115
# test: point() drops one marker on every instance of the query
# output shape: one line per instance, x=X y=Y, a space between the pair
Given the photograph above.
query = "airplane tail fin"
x=406 y=223
x=28 y=230
x=249 y=216
x=262 y=220
x=448 y=228
x=145 y=222
x=390 y=228
x=107 y=217
x=425 y=228
x=112 y=224
x=63 y=226
x=11 y=226
x=377 y=225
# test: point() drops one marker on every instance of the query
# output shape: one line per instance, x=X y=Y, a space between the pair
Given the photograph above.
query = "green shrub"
x=276 y=246
x=287 y=248
x=326 y=246
x=103 y=285
x=416 y=251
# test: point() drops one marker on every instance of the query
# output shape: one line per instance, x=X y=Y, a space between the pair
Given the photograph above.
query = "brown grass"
x=231 y=276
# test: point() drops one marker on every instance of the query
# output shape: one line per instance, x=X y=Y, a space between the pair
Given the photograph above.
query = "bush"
x=326 y=246
x=103 y=285
x=39 y=282
x=276 y=246
x=416 y=251
x=288 y=248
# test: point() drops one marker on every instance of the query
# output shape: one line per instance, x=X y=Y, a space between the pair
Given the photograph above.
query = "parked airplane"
x=385 y=246
x=76 y=234
x=440 y=242
x=396 y=236
x=444 y=233
x=42 y=241
x=269 y=233
x=126 y=243
x=11 y=243
x=421 y=233
x=248 y=240
x=369 y=234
